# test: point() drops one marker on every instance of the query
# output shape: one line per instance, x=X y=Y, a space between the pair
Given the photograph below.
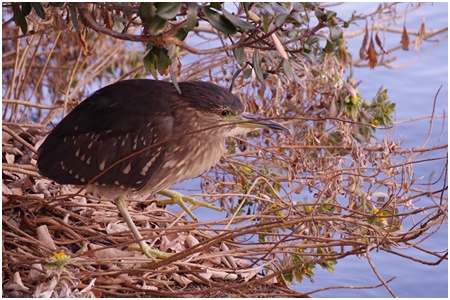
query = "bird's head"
x=218 y=107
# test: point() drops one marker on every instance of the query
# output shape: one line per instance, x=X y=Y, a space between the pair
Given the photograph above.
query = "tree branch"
x=157 y=39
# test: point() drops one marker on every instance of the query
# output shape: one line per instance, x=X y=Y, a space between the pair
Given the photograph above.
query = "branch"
x=157 y=39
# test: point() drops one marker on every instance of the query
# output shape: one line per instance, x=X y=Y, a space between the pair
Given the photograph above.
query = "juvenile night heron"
x=143 y=136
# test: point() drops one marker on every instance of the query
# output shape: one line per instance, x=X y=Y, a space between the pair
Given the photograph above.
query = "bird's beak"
x=250 y=121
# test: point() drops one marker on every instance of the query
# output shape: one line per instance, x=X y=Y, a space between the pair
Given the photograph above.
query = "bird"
x=141 y=136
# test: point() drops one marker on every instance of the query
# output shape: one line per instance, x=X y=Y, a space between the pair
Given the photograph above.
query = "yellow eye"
x=224 y=113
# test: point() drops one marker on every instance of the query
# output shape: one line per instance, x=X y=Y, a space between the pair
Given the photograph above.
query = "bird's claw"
x=178 y=198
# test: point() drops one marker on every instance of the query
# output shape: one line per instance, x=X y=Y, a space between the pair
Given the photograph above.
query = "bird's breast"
x=189 y=158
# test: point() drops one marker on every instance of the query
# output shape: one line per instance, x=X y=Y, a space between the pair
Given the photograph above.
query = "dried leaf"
x=207 y=275
x=84 y=45
x=372 y=55
x=362 y=50
x=116 y=227
x=35 y=272
x=223 y=275
x=45 y=237
x=420 y=36
x=228 y=258
x=89 y=286
x=250 y=274
x=107 y=253
x=181 y=280
x=279 y=46
x=378 y=41
x=46 y=289
x=254 y=17
x=107 y=18
x=10 y=158
x=191 y=241
x=15 y=283
x=405 y=39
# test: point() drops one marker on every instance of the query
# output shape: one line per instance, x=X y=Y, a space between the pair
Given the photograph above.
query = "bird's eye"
x=224 y=113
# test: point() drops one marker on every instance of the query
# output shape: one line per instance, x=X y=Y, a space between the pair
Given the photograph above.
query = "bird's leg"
x=146 y=249
x=178 y=198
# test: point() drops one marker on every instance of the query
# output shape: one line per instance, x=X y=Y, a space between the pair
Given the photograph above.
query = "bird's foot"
x=146 y=249
x=149 y=252
x=178 y=198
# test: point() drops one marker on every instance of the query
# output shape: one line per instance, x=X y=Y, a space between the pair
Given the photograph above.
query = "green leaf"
x=311 y=40
x=156 y=24
x=26 y=8
x=235 y=75
x=266 y=23
x=320 y=14
x=247 y=73
x=73 y=15
x=257 y=66
x=149 y=62
x=128 y=24
x=328 y=47
x=246 y=7
x=216 y=5
x=19 y=18
x=168 y=10
x=146 y=11
x=239 y=54
x=39 y=9
x=336 y=32
x=181 y=34
x=174 y=80
x=280 y=19
x=237 y=21
x=218 y=21
x=287 y=69
x=191 y=21
x=330 y=15
x=276 y=186
x=56 y=4
x=163 y=62
x=266 y=6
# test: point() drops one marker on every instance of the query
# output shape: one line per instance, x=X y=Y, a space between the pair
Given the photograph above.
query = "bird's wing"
x=99 y=133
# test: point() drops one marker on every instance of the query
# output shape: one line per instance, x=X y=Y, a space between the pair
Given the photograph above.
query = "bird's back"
x=123 y=135
x=111 y=124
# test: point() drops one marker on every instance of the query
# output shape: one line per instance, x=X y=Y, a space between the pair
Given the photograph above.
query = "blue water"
x=413 y=90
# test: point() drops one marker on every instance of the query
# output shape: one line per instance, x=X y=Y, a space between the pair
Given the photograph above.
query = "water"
x=413 y=90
